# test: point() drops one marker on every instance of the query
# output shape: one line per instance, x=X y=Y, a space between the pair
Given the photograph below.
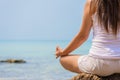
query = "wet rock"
x=85 y=76
x=13 y=61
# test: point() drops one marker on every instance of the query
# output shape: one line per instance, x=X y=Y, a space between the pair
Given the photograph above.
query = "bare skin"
x=70 y=62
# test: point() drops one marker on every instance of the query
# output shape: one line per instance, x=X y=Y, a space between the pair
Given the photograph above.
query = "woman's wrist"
x=63 y=53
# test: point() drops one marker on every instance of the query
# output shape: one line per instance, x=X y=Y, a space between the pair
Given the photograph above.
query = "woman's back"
x=104 y=44
x=106 y=29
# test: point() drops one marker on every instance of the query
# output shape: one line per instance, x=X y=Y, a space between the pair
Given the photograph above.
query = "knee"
x=62 y=60
x=64 y=63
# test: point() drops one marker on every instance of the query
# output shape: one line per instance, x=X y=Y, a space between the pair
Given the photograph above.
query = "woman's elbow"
x=83 y=37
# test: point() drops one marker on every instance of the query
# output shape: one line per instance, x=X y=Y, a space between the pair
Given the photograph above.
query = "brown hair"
x=108 y=12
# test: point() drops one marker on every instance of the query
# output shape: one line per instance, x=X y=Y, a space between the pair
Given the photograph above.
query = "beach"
x=41 y=63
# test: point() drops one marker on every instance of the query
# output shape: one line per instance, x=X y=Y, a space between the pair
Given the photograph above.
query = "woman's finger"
x=58 y=52
x=56 y=48
x=56 y=56
x=59 y=48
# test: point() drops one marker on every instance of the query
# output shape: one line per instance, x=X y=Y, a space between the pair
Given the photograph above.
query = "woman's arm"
x=82 y=35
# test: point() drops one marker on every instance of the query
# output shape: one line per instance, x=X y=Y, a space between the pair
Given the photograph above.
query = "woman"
x=103 y=16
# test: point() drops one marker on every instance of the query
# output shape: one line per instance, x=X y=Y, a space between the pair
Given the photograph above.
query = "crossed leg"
x=70 y=63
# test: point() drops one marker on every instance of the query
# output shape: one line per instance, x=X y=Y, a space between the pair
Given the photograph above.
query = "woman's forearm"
x=75 y=43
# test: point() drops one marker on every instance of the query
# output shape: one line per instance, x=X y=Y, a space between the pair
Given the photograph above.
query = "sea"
x=39 y=55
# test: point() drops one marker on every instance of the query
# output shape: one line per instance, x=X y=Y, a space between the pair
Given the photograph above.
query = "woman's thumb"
x=57 y=48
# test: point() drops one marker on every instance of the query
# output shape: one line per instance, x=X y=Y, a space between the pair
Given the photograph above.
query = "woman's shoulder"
x=88 y=1
x=92 y=6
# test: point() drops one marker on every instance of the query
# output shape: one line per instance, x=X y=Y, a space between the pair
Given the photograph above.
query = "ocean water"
x=41 y=62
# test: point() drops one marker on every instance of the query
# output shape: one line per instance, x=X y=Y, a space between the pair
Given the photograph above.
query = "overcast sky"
x=40 y=19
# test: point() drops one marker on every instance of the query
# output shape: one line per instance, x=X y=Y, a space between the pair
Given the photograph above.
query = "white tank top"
x=104 y=45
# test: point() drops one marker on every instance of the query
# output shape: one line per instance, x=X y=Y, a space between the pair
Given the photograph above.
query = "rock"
x=85 y=76
x=13 y=61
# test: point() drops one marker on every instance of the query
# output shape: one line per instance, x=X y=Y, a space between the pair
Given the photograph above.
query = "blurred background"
x=31 y=29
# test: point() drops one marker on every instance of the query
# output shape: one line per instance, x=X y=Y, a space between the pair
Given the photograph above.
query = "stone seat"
x=85 y=76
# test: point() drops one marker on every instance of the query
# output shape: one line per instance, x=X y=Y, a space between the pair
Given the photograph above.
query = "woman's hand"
x=59 y=52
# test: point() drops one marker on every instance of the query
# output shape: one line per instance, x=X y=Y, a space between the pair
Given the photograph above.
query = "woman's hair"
x=108 y=12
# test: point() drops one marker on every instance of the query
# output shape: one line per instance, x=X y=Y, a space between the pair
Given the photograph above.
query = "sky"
x=40 y=19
